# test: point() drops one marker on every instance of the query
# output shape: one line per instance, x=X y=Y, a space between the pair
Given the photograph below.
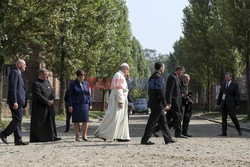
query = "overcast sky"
x=157 y=24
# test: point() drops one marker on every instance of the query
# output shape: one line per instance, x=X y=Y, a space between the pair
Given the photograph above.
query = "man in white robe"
x=115 y=122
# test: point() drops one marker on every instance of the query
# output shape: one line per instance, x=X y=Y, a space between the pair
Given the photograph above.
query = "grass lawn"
x=217 y=116
x=4 y=123
x=92 y=114
x=59 y=117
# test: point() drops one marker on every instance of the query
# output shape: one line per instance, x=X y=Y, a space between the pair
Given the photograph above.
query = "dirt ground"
x=205 y=148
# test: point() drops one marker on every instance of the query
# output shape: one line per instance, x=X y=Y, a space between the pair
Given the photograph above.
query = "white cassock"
x=115 y=122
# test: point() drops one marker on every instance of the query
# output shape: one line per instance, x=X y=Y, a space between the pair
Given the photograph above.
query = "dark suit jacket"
x=173 y=91
x=155 y=92
x=77 y=95
x=16 y=91
x=232 y=98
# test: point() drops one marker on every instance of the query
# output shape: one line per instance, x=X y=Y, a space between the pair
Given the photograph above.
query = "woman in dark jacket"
x=79 y=104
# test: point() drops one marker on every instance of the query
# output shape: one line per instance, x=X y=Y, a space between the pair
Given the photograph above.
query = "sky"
x=157 y=24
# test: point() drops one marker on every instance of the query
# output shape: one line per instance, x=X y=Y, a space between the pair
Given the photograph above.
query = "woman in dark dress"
x=79 y=104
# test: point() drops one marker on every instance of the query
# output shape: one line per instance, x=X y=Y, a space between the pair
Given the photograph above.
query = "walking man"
x=157 y=103
x=174 y=99
x=229 y=100
x=17 y=101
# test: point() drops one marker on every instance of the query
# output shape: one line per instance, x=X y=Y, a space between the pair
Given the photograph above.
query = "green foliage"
x=92 y=35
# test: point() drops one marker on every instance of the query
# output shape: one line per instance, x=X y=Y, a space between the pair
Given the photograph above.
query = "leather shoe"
x=222 y=134
x=66 y=131
x=240 y=132
x=147 y=142
x=122 y=140
x=21 y=143
x=155 y=134
x=57 y=138
x=85 y=139
x=181 y=136
x=187 y=135
x=4 y=139
x=171 y=141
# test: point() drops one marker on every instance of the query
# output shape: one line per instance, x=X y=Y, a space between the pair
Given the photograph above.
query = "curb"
x=218 y=122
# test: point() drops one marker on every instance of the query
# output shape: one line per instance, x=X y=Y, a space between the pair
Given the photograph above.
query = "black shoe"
x=171 y=141
x=57 y=138
x=20 y=143
x=222 y=134
x=147 y=142
x=181 y=136
x=240 y=132
x=155 y=134
x=4 y=139
x=122 y=140
x=187 y=135
x=66 y=130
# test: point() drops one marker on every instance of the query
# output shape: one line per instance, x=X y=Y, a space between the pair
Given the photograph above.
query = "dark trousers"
x=231 y=113
x=157 y=116
x=174 y=117
x=173 y=120
x=68 y=116
x=186 y=118
x=15 y=125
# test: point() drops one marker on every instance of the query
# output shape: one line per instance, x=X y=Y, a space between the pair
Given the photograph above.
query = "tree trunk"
x=62 y=78
x=1 y=84
x=208 y=91
x=61 y=96
x=247 y=75
x=103 y=100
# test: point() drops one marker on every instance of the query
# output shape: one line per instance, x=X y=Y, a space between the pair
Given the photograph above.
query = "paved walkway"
x=205 y=148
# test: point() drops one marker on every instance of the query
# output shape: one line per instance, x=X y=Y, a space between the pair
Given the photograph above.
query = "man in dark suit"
x=17 y=101
x=229 y=100
x=157 y=103
x=174 y=99
x=186 y=104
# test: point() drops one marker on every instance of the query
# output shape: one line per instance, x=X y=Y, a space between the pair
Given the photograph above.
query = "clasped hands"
x=167 y=107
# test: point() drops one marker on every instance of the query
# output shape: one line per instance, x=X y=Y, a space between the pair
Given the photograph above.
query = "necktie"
x=227 y=85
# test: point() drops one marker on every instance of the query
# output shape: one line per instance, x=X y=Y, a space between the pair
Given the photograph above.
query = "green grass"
x=217 y=115
x=4 y=123
x=96 y=114
x=92 y=114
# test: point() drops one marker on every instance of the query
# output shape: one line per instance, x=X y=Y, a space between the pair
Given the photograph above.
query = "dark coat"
x=80 y=99
x=173 y=91
x=77 y=95
x=232 y=98
x=16 y=91
x=42 y=126
x=155 y=92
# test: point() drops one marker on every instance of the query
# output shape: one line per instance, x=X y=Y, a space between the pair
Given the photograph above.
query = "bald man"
x=17 y=101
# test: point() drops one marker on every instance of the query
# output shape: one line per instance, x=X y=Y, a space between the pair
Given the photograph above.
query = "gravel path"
x=204 y=149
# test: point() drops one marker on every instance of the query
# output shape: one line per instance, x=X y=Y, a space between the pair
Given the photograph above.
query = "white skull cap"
x=124 y=65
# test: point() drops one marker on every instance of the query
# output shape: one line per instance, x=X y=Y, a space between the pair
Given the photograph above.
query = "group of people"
x=170 y=106
x=42 y=126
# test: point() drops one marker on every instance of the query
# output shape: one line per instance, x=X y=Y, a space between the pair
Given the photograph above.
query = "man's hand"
x=167 y=107
x=15 y=106
x=90 y=107
x=120 y=105
x=51 y=102
x=70 y=109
